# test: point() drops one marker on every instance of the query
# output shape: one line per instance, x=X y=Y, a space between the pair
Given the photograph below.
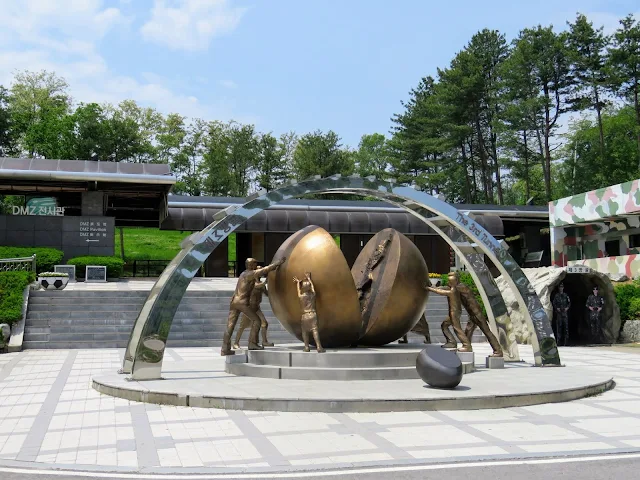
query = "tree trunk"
x=600 y=127
x=498 y=176
x=546 y=165
x=636 y=104
x=474 y=173
x=486 y=176
x=467 y=184
x=527 y=185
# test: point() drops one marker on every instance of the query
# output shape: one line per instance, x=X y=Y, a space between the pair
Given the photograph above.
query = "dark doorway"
x=578 y=287
x=612 y=247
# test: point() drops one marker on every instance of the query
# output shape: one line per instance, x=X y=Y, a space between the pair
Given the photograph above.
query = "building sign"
x=68 y=269
x=95 y=231
x=579 y=269
x=40 y=206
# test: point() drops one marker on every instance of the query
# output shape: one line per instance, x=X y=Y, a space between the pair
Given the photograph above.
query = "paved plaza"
x=50 y=417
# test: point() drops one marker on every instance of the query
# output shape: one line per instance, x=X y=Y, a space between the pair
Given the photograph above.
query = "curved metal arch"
x=145 y=351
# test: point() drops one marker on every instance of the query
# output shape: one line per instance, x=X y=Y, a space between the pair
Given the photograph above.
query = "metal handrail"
x=26 y=260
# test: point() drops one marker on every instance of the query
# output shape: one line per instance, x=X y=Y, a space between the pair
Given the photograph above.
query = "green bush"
x=634 y=307
x=114 y=265
x=625 y=296
x=12 y=285
x=46 y=258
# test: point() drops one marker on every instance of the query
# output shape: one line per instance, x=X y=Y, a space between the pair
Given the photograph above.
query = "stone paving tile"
x=50 y=414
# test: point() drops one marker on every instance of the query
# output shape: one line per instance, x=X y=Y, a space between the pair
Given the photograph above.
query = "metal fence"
x=144 y=268
x=25 y=264
x=154 y=268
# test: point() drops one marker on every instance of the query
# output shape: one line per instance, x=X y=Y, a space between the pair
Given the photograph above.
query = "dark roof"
x=222 y=202
x=84 y=170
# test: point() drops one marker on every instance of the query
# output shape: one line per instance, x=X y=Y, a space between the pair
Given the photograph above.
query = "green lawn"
x=154 y=244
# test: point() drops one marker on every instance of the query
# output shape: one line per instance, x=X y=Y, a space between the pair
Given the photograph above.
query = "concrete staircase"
x=103 y=319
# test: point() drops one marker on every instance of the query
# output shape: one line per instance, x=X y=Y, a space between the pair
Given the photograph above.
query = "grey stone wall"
x=75 y=236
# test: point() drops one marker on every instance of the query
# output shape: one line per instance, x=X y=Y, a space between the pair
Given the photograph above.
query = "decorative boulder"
x=630 y=332
x=617 y=277
x=439 y=367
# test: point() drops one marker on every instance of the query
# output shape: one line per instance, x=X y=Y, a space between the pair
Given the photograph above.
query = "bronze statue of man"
x=309 y=320
x=240 y=303
x=477 y=319
x=421 y=328
x=455 y=311
x=255 y=300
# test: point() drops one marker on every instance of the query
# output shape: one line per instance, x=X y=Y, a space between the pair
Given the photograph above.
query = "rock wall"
x=545 y=280
x=630 y=332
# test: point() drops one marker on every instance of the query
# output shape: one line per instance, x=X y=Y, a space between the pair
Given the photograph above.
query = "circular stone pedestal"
x=201 y=381
x=392 y=362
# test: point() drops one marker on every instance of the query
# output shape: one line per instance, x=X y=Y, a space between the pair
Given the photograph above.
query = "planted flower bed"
x=53 y=280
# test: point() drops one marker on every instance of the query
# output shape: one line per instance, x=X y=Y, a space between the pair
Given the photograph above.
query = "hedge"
x=46 y=258
x=114 y=265
x=12 y=285
x=628 y=299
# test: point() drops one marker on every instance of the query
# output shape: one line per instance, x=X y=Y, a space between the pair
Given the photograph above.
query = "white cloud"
x=610 y=21
x=62 y=37
x=228 y=84
x=190 y=24
x=36 y=21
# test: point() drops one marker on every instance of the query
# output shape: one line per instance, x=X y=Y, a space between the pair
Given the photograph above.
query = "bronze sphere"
x=395 y=297
x=314 y=250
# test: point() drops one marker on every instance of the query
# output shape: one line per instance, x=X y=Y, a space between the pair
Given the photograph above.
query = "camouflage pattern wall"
x=628 y=265
x=596 y=205
x=582 y=224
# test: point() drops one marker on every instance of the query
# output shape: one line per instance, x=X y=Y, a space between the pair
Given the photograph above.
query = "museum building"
x=76 y=206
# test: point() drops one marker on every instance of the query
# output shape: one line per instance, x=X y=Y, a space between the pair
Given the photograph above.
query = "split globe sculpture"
x=145 y=350
x=374 y=303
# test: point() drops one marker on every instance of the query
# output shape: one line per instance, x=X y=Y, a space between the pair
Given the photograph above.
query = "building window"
x=612 y=247
x=634 y=241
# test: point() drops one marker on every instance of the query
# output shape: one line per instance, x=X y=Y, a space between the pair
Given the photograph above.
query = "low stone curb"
x=352 y=405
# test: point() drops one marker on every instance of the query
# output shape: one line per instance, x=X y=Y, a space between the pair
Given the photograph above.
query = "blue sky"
x=284 y=65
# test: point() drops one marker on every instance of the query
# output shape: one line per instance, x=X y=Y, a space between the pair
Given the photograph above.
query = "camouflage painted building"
x=599 y=229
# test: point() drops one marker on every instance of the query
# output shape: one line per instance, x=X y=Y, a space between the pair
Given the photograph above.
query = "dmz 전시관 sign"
x=33 y=210
x=47 y=206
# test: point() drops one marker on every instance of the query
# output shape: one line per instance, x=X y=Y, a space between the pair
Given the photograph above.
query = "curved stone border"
x=356 y=405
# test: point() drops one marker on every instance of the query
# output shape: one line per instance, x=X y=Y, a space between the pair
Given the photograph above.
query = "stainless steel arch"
x=145 y=351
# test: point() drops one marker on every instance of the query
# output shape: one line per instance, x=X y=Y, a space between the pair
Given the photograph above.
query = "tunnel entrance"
x=579 y=287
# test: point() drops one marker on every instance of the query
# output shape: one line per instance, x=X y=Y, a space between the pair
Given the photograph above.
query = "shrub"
x=114 y=265
x=625 y=295
x=634 y=307
x=12 y=285
x=46 y=258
